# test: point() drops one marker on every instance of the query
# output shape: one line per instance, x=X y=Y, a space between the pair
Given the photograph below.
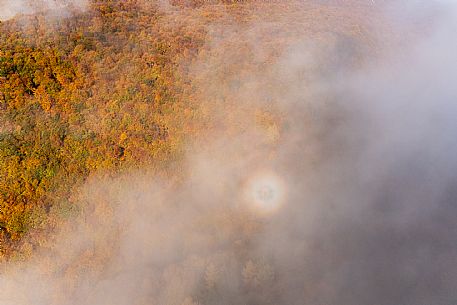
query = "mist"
x=355 y=150
x=11 y=8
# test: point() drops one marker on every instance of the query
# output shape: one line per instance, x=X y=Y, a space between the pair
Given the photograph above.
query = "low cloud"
x=11 y=8
x=361 y=149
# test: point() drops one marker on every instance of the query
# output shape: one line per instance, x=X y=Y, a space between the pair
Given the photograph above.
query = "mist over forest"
x=190 y=152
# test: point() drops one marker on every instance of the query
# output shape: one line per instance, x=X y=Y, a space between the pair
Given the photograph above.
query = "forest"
x=82 y=94
x=228 y=152
x=101 y=91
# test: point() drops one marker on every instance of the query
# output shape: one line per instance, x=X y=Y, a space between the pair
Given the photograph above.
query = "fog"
x=328 y=176
x=11 y=8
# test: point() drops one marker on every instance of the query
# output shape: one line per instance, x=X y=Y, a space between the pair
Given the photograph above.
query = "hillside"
x=110 y=89
x=223 y=152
